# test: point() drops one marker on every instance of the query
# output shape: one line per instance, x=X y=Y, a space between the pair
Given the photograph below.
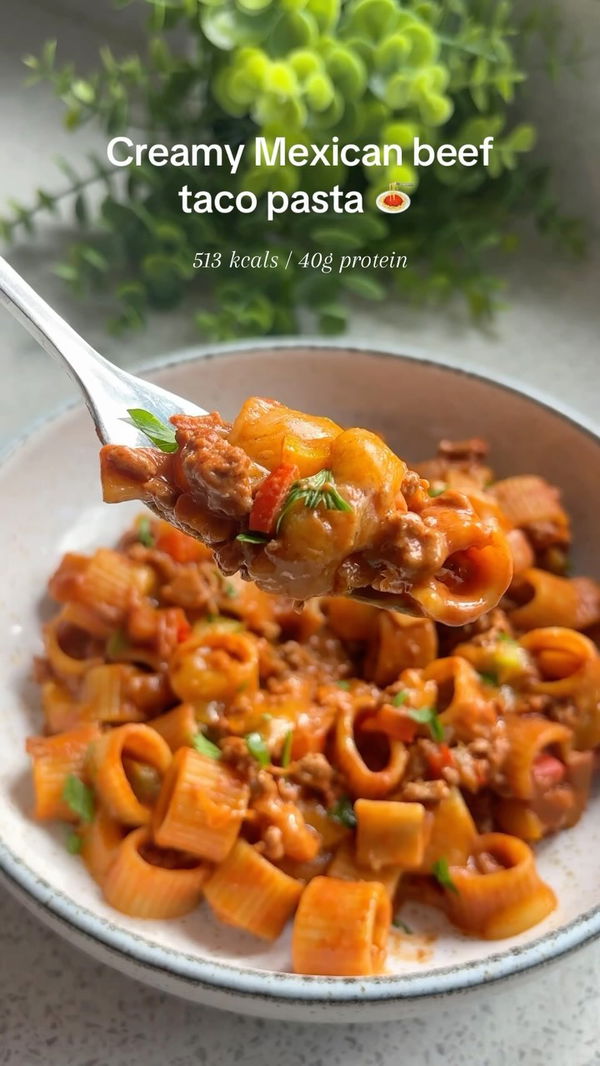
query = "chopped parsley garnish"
x=79 y=798
x=343 y=684
x=73 y=842
x=507 y=637
x=343 y=812
x=144 y=533
x=488 y=678
x=161 y=434
x=116 y=644
x=206 y=747
x=399 y=699
x=229 y=590
x=253 y=538
x=258 y=749
x=441 y=872
x=317 y=491
x=436 y=492
x=399 y=924
x=427 y=716
x=286 y=751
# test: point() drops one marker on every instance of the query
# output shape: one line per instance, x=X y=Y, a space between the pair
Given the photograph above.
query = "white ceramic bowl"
x=51 y=503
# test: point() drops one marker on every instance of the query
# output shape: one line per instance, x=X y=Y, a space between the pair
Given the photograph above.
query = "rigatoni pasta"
x=108 y=769
x=200 y=806
x=319 y=766
x=55 y=760
x=145 y=881
x=341 y=928
x=248 y=891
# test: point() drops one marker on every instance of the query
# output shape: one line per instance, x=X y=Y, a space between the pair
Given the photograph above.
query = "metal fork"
x=107 y=390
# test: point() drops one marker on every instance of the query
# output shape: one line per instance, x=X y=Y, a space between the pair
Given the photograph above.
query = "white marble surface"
x=57 y=1007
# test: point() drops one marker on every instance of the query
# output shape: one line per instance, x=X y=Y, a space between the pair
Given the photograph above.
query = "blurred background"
x=546 y=335
x=58 y=1007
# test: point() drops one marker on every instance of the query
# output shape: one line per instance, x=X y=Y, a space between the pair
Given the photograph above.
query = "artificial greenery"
x=366 y=70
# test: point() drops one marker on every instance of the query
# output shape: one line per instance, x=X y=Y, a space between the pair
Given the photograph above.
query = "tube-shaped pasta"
x=505 y=660
x=271 y=433
x=528 y=501
x=398 y=643
x=85 y=618
x=341 y=928
x=560 y=791
x=521 y=551
x=453 y=833
x=178 y=727
x=349 y=619
x=547 y=600
x=515 y=817
x=200 y=807
x=462 y=704
x=372 y=784
x=215 y=665
x=54 y=760
x=331 y=833
x=476 y=572
x=528 y=736
x=345 y=866
x=391 y=833
x=507 y=900
x=64 y=666
x=247 y=891
x=65 y=583
x=299 y=841
x=586 y=722
x=104 y=694
x=113 y=580
x=61 y=710
x=101 y=839
x=561 y=656
x=144 y=882
x=138 y=742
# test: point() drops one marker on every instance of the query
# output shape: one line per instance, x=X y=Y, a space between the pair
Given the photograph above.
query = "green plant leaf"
x=258 y=749
x=79 y=798
x=206 y=747
x=161 y=434
x=343 y=812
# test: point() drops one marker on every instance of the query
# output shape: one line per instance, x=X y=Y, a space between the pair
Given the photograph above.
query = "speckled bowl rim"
x=241 y=980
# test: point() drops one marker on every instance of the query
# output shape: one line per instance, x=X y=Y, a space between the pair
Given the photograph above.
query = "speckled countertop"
x=59 y=1008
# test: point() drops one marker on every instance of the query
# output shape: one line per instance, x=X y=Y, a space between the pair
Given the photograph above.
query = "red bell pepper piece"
x=270 y=497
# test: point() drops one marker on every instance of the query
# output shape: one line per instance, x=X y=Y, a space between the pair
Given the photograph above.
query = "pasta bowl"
x=51 y=497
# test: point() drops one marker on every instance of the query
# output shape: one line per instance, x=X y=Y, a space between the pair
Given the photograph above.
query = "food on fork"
x=305 y=508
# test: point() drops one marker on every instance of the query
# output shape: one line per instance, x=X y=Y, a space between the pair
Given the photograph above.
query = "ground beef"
x=315 y=772
x=485 y=631
x=220 y=475
x=162 y=562
x=271 y=845
x=409 y=548
x=480 y=763
x=423 y=791
x=234 y=751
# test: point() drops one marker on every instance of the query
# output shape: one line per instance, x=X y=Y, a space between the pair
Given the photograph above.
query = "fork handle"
x=107 y=389
x=82 y=362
